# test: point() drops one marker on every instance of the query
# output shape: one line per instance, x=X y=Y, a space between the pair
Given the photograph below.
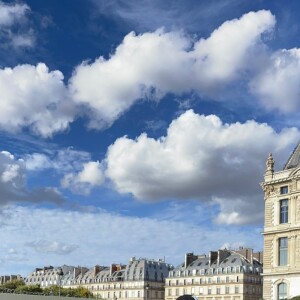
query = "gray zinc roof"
x=294 y=159
x=232 y=259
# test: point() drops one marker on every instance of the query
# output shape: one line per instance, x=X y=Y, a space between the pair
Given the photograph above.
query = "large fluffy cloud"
x=13 y=184
x=152 y=64
x=199 y=158
x=34 y=97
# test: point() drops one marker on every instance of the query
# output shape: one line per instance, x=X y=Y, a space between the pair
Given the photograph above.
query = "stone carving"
x=269 y=190
x=270 y=165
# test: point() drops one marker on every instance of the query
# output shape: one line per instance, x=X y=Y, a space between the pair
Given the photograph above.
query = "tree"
x=29 y=289
x=12 y=285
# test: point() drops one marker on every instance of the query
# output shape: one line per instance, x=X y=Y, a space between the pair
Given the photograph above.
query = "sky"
x=141 y=128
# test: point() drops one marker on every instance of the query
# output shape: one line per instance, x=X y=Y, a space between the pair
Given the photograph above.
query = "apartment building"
x=140 y=279
x=220 y=275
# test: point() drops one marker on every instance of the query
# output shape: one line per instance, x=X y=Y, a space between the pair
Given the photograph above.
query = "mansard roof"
x=294 y=159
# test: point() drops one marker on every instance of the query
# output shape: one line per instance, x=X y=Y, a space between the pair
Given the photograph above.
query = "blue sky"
x=140 y=128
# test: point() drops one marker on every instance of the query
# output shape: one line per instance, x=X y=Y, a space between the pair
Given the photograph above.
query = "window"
x=284 y=211
x=236 y=289
x=218 y=280
x=284 y=190
x=283 y=251
x=177 y=292
x=209 y=291
x=218 y=291
x=227 y=279
x=282 y=291
x=227 y=290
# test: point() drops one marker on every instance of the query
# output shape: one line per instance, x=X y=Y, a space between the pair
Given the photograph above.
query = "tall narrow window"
x=282 y=291
x=284 y=211
x=283 y=251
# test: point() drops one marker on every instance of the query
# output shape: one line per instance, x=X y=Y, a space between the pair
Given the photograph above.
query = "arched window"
x=282 y=291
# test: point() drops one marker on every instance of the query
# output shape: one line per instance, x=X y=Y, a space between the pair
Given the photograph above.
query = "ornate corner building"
x=281 y=273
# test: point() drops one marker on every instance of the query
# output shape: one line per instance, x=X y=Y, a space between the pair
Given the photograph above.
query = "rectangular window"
x=227 y=290
x=284 y=190
x=218 y=291
x=283 y=251
x=236 y=289
x=209 y=291
x=284 y=211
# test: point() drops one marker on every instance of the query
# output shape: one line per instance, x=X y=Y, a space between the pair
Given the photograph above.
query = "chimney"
x=96 y=270
x=212 y=257
x=189 y=258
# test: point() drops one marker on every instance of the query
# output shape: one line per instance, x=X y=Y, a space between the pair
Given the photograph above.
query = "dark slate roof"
x=294 y=159
x=232 y=259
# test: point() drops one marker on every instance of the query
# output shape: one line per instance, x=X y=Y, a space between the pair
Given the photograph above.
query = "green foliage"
x=19 y=287
x=79 y=292
x=296 y=298
x=12 y=285
x=29 y=289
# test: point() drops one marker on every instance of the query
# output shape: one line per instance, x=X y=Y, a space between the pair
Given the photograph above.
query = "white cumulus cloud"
x=278 y=85
x=82 y=182
x=150 y=65
x=34 y=97
x=199 y=158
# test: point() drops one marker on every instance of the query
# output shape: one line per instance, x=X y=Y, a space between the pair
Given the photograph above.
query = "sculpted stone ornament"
x=269 y=190
x=270 y=165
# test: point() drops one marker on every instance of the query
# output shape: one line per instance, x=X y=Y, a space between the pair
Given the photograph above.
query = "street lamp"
x=60 y=273
x=146 y=290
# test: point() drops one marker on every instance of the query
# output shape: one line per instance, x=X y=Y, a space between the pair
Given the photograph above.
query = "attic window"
x=284 y=190
x=200 y=263
x=233 y=260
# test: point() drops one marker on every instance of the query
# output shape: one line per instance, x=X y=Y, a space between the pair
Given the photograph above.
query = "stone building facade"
x=220 y=275
x=140 y=279
x=281 y=274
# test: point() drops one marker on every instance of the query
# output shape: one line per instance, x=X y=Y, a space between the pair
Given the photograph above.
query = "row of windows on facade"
x=132 y=294
x=218 y=291
x=217 y=280
x=108 y=287
x=228 y=270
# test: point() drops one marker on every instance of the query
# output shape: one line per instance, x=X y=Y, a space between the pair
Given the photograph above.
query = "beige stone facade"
x=221 y=275
x=140 y=279
x=281 y=275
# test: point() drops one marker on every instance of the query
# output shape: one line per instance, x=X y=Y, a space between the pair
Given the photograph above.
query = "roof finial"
x=270 y=165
